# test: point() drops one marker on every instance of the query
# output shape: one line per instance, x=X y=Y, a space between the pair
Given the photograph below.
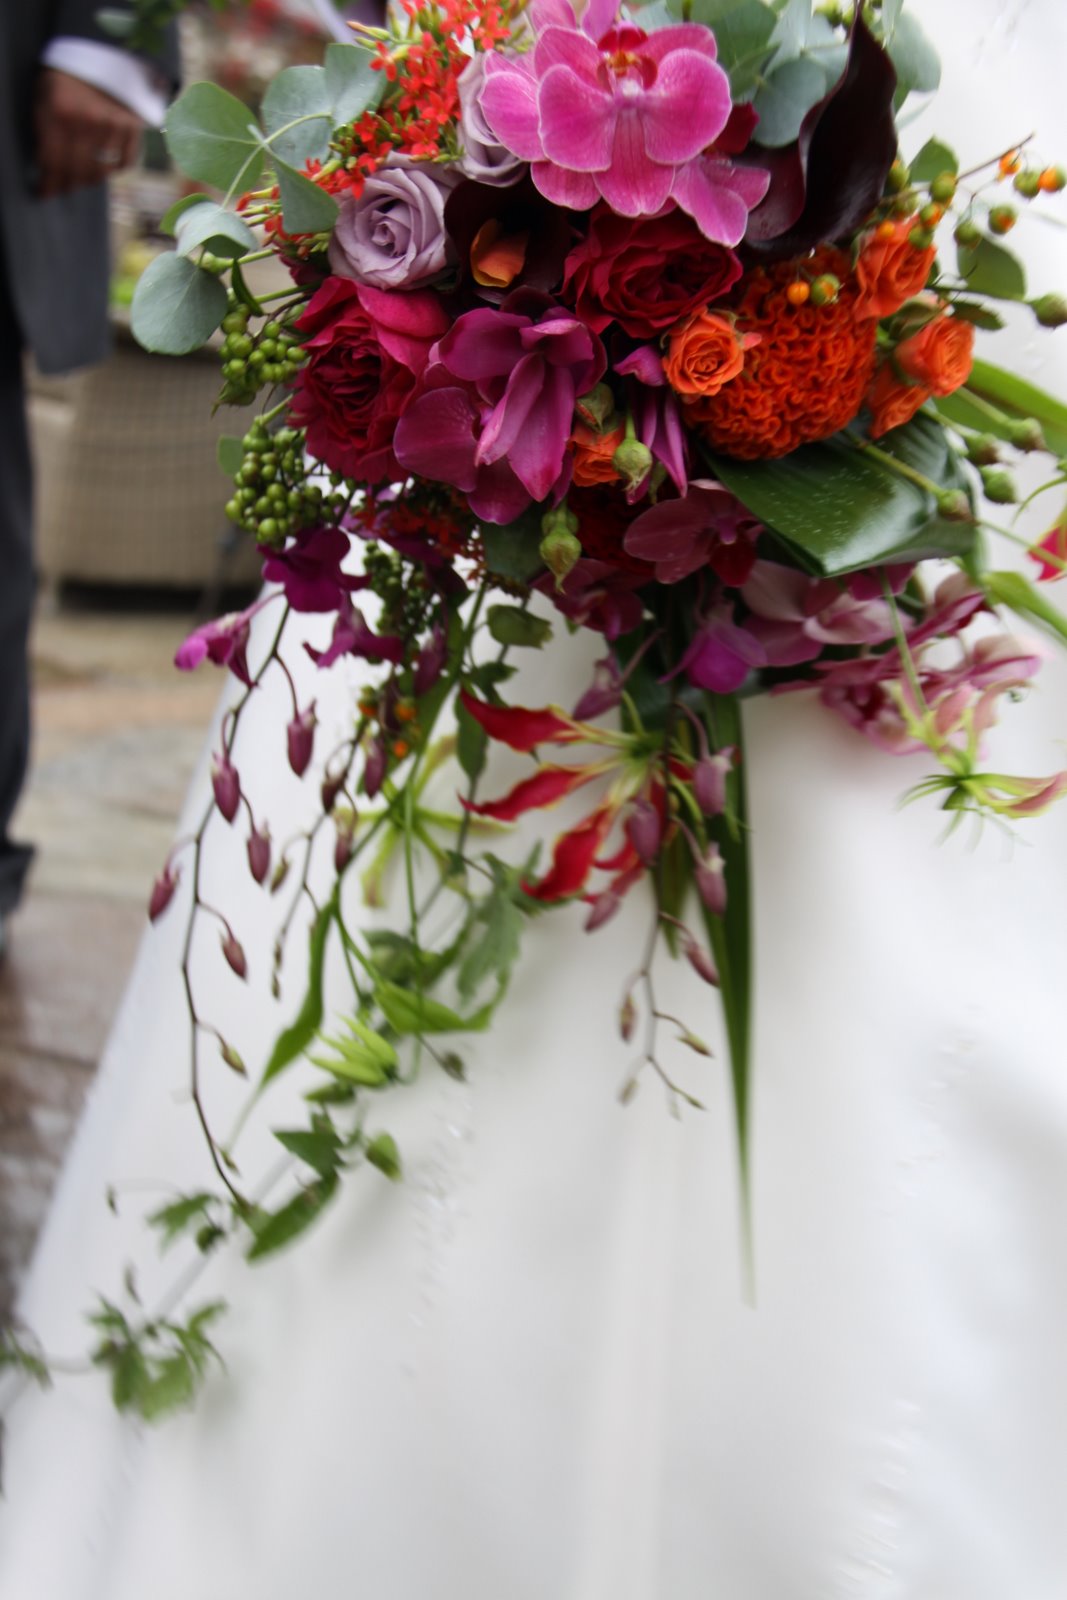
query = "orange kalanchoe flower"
x=592 y=455
x=890 y=269
x=805 y=377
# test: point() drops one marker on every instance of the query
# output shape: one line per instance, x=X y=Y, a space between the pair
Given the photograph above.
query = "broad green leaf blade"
x=297 y=117
x=280 y=1227
x=294 y=1040
x=320 y=1149
x=838 y=509
x=514 y=625
x=352 y=83
x=305 y=207
x=409 y=1012
x=1011 y=589
x=933 y=159
x=176 y=306
x=212 y=227
x=213 y=138
x=991 y=269
x=1022 y=399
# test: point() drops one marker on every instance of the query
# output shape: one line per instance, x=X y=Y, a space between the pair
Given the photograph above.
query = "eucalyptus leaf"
x=838 y=509
x=352 y=83
x=169 y=219
x=914 y=57
x=786 y=98
x=212 y=227
x=933 y=159
x=176 y=306
x=297 y=115
x=991 y=269
x=514 y=625
x=743 y=30
x=305 y=207
x=212 y=137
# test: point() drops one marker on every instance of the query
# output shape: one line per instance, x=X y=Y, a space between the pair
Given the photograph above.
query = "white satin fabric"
x=530 y=1370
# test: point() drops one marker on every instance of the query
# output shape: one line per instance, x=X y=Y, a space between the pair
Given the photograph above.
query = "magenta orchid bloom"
x=310 y=570
x=608 y=111
x=657 y=416
x=721 y=653
x=223 y=641
x=352 y=636
x=494 y=412
x=635 y=795
x=795 y=617
x=707 y=527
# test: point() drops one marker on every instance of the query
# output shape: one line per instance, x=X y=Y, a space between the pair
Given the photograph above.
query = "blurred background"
x=133 y=549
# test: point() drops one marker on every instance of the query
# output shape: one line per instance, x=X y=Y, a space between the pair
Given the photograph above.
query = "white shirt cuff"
x=118 y=73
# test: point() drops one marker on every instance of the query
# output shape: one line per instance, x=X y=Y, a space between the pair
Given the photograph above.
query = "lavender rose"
x=393 y=235
x=484 y=158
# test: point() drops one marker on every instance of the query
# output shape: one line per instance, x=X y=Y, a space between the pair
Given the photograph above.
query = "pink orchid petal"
x=645 y=364
x=776 y=592
x=509 y=103
x=683 y=36
x=721 y=655
x=785 y=643
x=598 y=17
x=562 y=340
x=576 y=191
x=567 y=47
x=633 y=185
x=538 y=451
x=578 y=121
x=690 y=80
x=717 y=197
x=509 y=416
x=483 y=344
x=548 y=786
x=435 y=438
x=498 y=495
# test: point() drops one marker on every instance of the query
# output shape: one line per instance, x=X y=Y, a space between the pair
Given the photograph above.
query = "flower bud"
x=943 y=188
x=1002 y=219
x=331 y=788
x=374 y=768
x=259 y=853
x=279 y=875
x=560 y=551
x=983 y=450
x=342 y=847
x=597 y=406
x=226 y=785
x=1052 y=180
x=162 y=893
x=300 y=737
x=633 y=460
x=627 y=1017
x=898 y=176
x=825 y=289
x=232 y=1059
x=701 y=962
x=709 y=782
x=430 y=662
x=603 y=909
x=644 y=831
x=967 y=233
x=1025 y=434
x=603 y=694
x=234 y=953
x=711 y=882
x=953 y=506
x=998 y=486
x=1027 y=183
x=1050 y=310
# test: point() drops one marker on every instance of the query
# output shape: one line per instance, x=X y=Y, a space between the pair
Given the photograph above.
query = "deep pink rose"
x=366 y=347
x=645 y=273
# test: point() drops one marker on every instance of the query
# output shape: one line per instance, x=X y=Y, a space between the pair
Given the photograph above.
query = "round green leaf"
x=212 y=227
x=916 y=60
x=305 y=207
x=786 y=98
x=177 y=306
x=213 y=137
x=296 y=115
x=352 y=83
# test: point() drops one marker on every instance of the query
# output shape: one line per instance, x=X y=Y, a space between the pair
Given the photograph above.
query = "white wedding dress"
x=531 y=1371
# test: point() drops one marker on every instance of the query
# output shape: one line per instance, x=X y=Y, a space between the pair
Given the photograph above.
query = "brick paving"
x=118 y=732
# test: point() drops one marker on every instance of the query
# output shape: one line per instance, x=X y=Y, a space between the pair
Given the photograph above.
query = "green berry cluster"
x=406 y=599
x=272 y=497
x=250 y=362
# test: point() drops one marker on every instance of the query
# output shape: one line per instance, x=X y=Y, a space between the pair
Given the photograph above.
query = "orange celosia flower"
x=891 y=401
x=890 y=269
x=940 y=355
x=705 y=353
x=592 y=455
x=805 y=377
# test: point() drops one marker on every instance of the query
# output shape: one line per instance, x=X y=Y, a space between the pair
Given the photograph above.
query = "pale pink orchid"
x=794 y=617
x=608 y=111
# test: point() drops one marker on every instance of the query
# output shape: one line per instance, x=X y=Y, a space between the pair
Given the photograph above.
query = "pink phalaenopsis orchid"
x=608 y=111
x=223 y=641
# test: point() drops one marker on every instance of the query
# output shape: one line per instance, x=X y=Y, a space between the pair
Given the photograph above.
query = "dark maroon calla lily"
x=541 y=232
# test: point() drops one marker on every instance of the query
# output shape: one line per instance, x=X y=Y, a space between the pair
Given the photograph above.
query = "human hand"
x=83 y=135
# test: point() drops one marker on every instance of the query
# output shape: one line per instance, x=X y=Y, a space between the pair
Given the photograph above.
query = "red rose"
x=365 y=350
x=645 y=273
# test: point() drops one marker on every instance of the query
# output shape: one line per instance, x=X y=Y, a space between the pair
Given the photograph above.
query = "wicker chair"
x=128 y=490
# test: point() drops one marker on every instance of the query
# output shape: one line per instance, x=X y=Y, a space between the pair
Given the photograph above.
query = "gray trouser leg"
x=16 y=601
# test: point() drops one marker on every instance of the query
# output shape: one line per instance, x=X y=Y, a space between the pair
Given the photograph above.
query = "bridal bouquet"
x=633 y=315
